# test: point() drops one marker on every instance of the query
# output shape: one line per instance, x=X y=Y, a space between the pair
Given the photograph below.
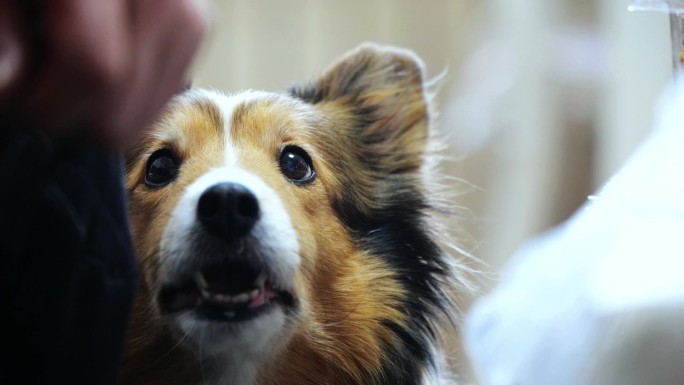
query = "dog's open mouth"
x=225 y=292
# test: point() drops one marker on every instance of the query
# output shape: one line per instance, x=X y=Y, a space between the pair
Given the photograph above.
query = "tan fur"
x=345 y=293
x=153 y=355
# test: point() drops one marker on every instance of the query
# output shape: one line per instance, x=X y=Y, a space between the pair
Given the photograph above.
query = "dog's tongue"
x=230 y=278
x=265 y=295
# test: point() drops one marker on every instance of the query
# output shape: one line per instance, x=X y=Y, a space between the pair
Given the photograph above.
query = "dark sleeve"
x=67 y=271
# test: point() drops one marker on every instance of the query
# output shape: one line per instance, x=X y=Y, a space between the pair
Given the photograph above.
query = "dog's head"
x=285 y=237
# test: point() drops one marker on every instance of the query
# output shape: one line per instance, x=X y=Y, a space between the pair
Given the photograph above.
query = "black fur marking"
x=402 y=368
x=393 y=227
x=348 y=85
x=310 y=94
x=397 y=234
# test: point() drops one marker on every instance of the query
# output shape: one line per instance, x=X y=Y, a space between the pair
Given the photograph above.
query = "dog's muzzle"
x=228 y=278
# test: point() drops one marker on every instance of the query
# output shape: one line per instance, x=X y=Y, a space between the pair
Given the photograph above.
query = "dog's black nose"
x=228 y=210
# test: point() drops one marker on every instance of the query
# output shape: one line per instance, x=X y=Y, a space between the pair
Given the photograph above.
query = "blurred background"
x=542 y=102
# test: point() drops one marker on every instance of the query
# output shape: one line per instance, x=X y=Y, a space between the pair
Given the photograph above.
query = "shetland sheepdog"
x=290 y=238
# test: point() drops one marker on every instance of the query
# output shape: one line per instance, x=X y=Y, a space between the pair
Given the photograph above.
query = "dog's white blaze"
x=227 y=105
x=274 y=229
x=244 y=344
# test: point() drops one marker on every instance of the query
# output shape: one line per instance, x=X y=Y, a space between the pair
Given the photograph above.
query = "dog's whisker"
x=180 y=342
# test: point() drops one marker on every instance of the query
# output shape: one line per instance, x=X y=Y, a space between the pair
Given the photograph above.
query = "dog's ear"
x=376 y=96
x=375 y=134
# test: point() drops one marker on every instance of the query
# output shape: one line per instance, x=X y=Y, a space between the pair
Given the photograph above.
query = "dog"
x=291 y=238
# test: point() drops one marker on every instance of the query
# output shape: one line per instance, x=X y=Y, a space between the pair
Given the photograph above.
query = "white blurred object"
x=657 y=5
x=600 y=299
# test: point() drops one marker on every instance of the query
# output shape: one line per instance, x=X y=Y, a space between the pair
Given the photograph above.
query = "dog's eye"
x=295 y=164
x=162 y=168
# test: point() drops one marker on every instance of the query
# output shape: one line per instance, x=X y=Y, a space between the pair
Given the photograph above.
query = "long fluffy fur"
x=380 y=287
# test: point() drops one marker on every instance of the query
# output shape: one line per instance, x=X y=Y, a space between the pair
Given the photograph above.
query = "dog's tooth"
x=218 y=297
x=200 y=281
x=206 y=294
x=228 y=299
x=229 y=314
x=253 y=294
x=243 y=297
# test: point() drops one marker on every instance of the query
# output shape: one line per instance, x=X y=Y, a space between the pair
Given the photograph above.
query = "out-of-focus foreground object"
x=600 y=299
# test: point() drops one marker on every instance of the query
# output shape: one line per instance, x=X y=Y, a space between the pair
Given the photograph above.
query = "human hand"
x=103 y=67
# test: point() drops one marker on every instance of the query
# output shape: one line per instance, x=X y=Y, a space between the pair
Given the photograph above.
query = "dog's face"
x=281 y=238
x=223 y=203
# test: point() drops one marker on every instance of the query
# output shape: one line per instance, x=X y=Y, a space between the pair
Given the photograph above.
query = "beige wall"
x=542 y=102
